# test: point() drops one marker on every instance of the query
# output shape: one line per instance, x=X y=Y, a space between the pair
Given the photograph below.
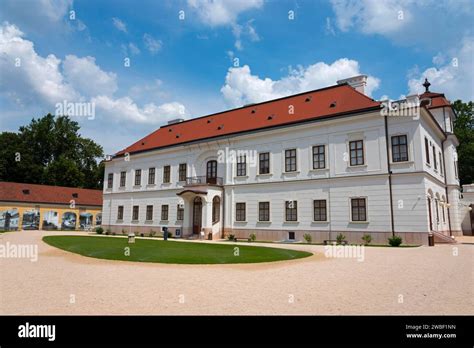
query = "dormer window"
x=75 y=195
x=332 y=105
x=308 y=99
x=26 y=191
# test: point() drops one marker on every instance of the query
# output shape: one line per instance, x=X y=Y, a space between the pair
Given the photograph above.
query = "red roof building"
x=333 y=101
x=33 y=193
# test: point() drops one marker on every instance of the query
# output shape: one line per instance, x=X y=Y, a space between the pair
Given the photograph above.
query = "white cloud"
x=119 y=24
x=407 y=22
x=153 y=45
x=133 y=48
x=241 y=87
x=454 y=79
x=222 y=12
x=217 y=13
x=36 y=78
x=125 y=109
x=42 y=82
x=88 y=78
x=371 y=16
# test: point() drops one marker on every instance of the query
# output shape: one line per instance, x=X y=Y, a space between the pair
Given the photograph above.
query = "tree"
x=50 y=151
x=464 y=131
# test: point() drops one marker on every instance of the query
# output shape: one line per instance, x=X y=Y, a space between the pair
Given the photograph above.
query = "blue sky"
x=185 y=67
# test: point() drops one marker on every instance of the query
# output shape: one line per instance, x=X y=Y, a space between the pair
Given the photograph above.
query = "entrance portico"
x=202 y=206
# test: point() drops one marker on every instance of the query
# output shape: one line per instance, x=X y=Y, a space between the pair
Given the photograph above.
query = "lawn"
x=145 y=250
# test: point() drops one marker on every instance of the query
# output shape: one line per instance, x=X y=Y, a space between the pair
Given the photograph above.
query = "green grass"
x=145 y=250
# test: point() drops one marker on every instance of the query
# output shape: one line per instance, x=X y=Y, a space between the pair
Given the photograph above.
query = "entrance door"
x=211 y=172
x=197 y=215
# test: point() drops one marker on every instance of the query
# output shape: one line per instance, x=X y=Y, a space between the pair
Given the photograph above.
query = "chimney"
x=357 y=82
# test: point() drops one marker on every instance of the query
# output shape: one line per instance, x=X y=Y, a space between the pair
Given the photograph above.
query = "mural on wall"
x=98 y=219
x=31 y=219
x=9 y=219
x=69 y=221
x=85 y=220
x=51 y=220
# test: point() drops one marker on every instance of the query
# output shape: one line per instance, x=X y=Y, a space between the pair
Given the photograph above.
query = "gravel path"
x=422 y=280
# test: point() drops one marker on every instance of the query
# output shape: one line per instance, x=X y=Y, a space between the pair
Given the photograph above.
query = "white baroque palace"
x=323 y=162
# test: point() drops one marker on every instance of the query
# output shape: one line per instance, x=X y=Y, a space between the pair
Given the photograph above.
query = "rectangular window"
x=399 y=148
x=123 y=178
x=456 y=169
x=183 y=167
x=290 y=160
x=264 y=211
x=166 y=174
x=442 y=209
x=291 y=211
x=180 y=213
x=441 y=168
x=120 y=212
x=135 y=212
x=427 y=151
x=242 y=165
x=239 y=211
x=434 y=158
x=149 y=212
x=164 y=212
x=138 y=177
x=359 y=209
x=357 y=152
x=110 y=180
x=319 y=213
x=319 y=157
x=264 y=163
x=151 y=176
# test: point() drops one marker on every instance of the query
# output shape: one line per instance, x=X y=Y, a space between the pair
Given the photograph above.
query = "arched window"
x=216 y=208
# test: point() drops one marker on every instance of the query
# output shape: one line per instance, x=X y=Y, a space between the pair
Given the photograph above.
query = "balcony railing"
x=203 y=180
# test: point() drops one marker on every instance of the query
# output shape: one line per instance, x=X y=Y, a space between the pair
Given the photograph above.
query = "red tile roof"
x=327 y=102
x=32 y=193
x=437 y=100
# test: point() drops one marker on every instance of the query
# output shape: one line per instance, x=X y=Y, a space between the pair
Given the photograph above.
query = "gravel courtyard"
x=421 y=280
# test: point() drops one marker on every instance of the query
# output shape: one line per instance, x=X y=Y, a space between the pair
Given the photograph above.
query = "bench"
x=333 y=241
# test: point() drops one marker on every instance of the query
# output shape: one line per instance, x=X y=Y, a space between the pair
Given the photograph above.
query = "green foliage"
x=367 y=238
x=99 y=230
x=231 y=237
x=253 y=237
x=395 y=241
x=51 y=151
x=152 y=233
x=340 y=238
x=307 y=237
x=464 y=131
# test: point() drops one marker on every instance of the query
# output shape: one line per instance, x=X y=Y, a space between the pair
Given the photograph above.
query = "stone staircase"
x=442 y=238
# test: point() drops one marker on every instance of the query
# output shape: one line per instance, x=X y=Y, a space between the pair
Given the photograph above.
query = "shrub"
x=340 y=238
x=142 y=234
x=113 y=233
x=99 y=230
x=170 y=235
x=107 y=232
x=395 y=241
x=253 y=237
x=307 y=237
x=231 y=237
x=152 y=233
x=124 y=232
x=367 y=238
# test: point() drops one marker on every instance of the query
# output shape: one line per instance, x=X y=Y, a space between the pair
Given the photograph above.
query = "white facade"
x=415 y=183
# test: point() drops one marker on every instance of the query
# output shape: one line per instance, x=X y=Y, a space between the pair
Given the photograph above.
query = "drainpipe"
x=389 y=175
x=223 y=212
x=446 y=187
